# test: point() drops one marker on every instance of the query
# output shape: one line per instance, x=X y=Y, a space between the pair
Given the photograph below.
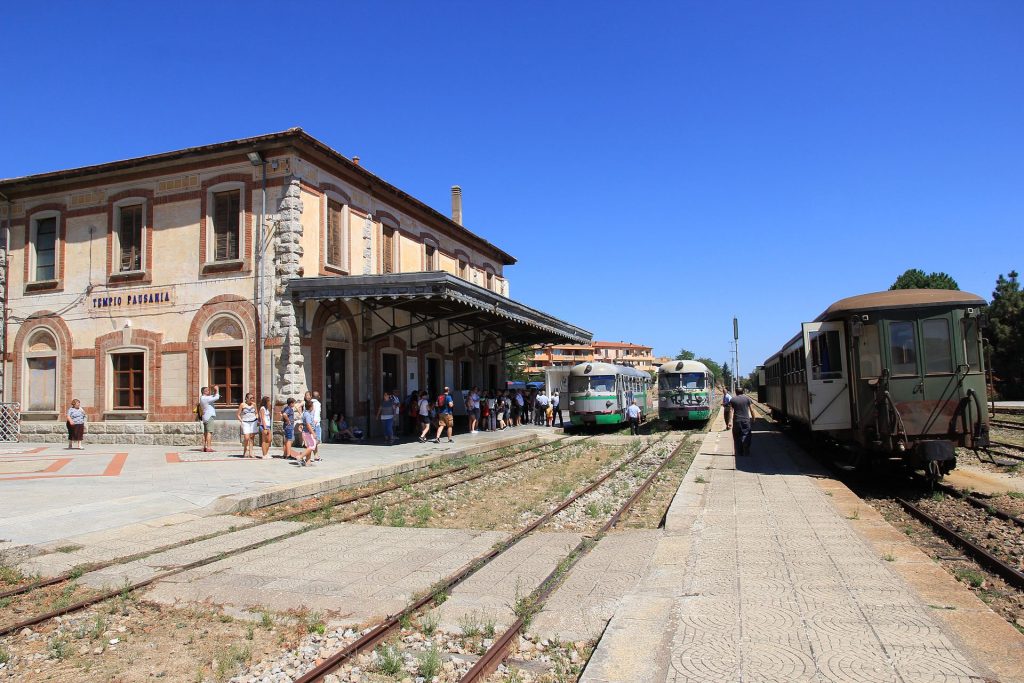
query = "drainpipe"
x=6 y=298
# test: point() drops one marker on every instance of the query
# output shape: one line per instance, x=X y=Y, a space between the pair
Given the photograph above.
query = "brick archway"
x=326 y=313
x=49 y=321
x=225 y=303
x=147 y=339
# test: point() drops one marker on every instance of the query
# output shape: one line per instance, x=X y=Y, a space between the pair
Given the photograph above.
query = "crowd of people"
x=301 y=421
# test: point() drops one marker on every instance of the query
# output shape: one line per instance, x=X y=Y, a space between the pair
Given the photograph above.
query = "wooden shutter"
x=130 y=238
x=334 y=233
x=388 y=251
x=225 y=224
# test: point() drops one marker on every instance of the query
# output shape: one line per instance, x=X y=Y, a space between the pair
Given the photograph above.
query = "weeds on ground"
x=970 y=577
x=266 y=619
x=5 y=603
x=489 y=627
x=314 y=623
x=1017 y=495
x=700 y=479
x=397 y=516
x=249 y=632
x=5 y=656
x=58 y=648
x=423 y=513
x=429 y=663
x=227 y=662
x=593 y=510
x=889 y=557
x=854 y=515
x=514 y=676
x=68 y=548
x=404 y=621
x=429 y=622
x=469 y=624
x=10 y=574
x=524 y=607
x=389 y=660
x=938 y=496
x=377 y=513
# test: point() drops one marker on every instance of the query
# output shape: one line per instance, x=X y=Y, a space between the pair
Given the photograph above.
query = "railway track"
x=379 y=632
x=502 y=461
x=1007 y=424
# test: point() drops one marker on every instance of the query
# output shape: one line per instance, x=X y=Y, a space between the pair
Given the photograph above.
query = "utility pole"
x=736 y=352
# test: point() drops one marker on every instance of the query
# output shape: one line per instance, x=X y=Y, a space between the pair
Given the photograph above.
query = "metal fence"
x=10 y=422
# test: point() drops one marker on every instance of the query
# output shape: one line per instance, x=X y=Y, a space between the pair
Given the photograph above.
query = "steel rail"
x=86 y=602
x=982 y=556
x=80 y=569
x=497 y=653
x=380 y=631
x=979 y=503
x=1006 y=424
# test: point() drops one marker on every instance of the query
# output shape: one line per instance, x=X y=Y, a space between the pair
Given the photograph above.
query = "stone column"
x=290 y=379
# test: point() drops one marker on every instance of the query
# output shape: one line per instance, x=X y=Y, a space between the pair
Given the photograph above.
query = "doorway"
x=389 y=374
x=433 y=377
x=334 y=383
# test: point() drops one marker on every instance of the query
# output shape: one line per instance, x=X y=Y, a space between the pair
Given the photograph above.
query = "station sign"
x=126 y=300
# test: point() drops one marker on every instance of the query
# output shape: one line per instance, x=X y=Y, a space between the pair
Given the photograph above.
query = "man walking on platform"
x=727 y=408
x=445 y=418
x=742 y=421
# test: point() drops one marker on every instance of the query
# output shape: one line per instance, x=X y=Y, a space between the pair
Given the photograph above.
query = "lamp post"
x=256 y=159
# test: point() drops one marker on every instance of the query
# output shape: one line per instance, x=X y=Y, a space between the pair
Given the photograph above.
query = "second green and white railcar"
x=686 y=391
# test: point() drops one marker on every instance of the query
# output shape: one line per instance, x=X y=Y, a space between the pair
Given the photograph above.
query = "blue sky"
x=656 y=167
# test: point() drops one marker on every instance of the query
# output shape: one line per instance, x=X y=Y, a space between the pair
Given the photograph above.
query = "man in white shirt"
x=540 y=416
x=556 y=412
x=208 y=415
x=633 y=413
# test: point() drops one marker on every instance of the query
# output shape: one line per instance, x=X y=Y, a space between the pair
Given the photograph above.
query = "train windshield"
x=604 y=383
x=686 y=380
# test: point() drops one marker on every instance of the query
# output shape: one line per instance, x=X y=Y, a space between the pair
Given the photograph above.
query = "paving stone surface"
x=582 y=606
x=350 y=573
x=759 y=578
x=157 y=563
x=54 y=495
x=490 y=594
x=111 y=544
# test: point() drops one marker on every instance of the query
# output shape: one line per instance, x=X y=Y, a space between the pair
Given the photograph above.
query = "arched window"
x=40 y=389
x=224 y=350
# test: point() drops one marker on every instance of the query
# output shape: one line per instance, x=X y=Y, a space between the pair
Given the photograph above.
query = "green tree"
x=915 y=278
x=1005 y=333
x=726 y=375
x=516 y=363
x=714 y=367
x=684 y=355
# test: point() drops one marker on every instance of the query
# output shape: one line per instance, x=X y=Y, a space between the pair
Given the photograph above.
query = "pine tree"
x=684 y=355
x=1005 y=333
x=915 y=278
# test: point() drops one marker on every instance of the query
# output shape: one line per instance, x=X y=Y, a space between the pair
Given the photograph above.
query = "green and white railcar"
x=686 y=391
x=600 y=392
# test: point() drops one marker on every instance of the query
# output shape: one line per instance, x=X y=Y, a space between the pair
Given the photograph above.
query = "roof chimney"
x=457 y=204
x=355 y=160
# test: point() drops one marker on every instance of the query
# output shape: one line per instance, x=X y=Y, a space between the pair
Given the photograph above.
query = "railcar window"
x=970 y=331
x=826 y=358
x=869 y=352
x=937 y=352
x=903 y=348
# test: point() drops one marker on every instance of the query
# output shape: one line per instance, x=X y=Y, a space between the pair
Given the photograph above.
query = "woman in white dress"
x=250 y=423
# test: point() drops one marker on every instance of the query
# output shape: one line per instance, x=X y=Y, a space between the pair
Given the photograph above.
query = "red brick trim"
x=112 y=341
x=116 y=278
x=225 y=303
x=176 y=347
x=325 y=314
x=65 y=347
x=56 y=285
x=331 y=187
x=245 y=261
x=83 y=353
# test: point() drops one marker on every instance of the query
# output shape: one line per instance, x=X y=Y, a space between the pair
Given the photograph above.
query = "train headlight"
x=572 y=403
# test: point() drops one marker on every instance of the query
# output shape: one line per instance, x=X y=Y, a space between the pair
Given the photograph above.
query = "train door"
x=828 y=386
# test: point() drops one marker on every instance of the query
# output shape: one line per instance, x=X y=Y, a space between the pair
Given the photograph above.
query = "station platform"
x=50 y=495
x=770 y=570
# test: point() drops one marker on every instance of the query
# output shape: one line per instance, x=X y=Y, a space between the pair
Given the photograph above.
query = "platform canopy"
x=433 y=297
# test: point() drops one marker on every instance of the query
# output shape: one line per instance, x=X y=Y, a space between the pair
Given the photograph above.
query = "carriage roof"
x=901 y=298
x=681 y=366
x=593 y=368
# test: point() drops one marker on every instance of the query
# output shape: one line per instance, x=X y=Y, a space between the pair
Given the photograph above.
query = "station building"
x=270 y=264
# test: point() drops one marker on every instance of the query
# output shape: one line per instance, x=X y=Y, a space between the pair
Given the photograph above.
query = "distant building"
x=620 y=353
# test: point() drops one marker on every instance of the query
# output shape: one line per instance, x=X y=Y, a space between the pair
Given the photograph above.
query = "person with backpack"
x=423 y=409
x=445 y=418
x=288 y=422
